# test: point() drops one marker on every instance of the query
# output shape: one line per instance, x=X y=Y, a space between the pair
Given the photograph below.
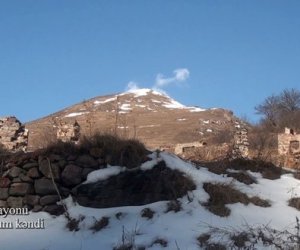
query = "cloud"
x=132 y=86
x=180 y=75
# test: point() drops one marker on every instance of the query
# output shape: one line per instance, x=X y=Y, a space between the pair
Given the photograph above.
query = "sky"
x=230 y=54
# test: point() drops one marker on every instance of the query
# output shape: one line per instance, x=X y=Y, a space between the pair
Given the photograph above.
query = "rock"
x=25 y=178
x=32 y=200
x=4 y=182
x=37 y=208
x=55 y=157
x=54 y=209
x=44 y=187
x=134 y=188
x=87 y=161
x=62 y=163
x=96 y=152
x=3 y=193
x=49 y=199
x=45 y=169
x=33 y=173
x=71 y=175
x=86 y=171
x=30 y=165
x=16 y=180
x=15 y=172
x=16 y=202
x=3 y=204
x=17 y=189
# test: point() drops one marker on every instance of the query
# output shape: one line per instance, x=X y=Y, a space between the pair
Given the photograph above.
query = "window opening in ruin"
x=294 y=145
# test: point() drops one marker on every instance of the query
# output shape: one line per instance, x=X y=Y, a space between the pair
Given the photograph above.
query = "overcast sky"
x=230 y=54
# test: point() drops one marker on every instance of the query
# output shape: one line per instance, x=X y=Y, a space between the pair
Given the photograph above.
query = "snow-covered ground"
x=179 y=229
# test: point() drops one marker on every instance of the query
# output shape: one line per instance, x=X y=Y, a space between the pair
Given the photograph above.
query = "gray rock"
x=4 y=182
x=33 y=173
x=15 y=172
x=87 y=161
x=45 y=169
x=30 y=165
x=25 y=178
x=71 y=175
x=37 y=208
x=54 y=209
x=44 y=187
x=31 y=200
x=16 y=202
x=86 y=171
x=3 y=193
x=49 y=199
x=3 y=204
x=22 y=189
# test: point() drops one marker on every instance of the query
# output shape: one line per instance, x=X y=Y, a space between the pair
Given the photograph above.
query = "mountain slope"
x=150 y=116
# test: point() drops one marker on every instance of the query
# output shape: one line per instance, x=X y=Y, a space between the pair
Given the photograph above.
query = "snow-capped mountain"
x=148 y=115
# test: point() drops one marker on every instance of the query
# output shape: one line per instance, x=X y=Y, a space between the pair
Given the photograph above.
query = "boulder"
x=49 y=199
x=45 y=169
x=71 y=175
x=15 y=172
x=33 y=173
x=32 y=200
x=3 y=193
x=3 y=204
x=4 y=182
x=54 y=209
x=30 y=165
x=87 y=161
x=16 y=202
x=20 y=189
x=44 y=187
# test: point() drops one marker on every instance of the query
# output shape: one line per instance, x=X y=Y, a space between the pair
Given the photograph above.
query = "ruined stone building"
x=68 y=132
x=13 y=135
x=241 y=143
x=289 y=147
x=185 y=147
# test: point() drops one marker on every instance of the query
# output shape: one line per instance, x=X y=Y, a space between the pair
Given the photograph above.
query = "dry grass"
x=116 y=151
x=295 y=202
x=222 y=194
x=174 y=206
x=267 y=169
x=100 y=224
x=147 y=213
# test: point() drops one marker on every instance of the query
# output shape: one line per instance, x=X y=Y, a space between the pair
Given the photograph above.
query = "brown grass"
x=100 y=224
x=222 y=194
x=174 y=206
x=116 y=151
x=147 y=213
x=295 y=202
x=267 y=169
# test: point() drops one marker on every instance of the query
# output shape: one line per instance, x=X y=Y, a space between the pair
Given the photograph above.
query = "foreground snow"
x=180 y=229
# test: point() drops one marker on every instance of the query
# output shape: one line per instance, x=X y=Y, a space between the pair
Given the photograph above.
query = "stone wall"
x=68 y=132
x=26 y=182
x=13 y=134
x=289 y=148
x=182 y=147
x=241 y=143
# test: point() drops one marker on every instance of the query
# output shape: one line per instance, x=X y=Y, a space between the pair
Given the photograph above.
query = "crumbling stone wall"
x=241 y=143
x=182 y=147
x=13 y=134
x=68 y=132
x=289 y=148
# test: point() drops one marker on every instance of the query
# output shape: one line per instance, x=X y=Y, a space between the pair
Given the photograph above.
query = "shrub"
x=222 y=194
x=100 y=224
x=295 y=202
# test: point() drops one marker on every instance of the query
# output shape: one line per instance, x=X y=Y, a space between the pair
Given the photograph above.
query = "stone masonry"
x=68 y=132
x=289 y=147
x=13 y=135
x=241 y=144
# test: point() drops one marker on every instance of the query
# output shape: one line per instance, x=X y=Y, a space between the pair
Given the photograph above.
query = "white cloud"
x=132 y=86
x=180 y=75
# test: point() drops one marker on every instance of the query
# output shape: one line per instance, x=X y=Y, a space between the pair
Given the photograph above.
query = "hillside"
x=150 y=116
x=216 y=211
